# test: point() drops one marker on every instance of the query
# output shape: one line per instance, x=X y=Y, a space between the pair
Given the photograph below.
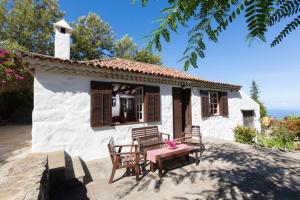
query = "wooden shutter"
x=204 y=103
x=223 y=103
x=152 y=104
x=101 y=100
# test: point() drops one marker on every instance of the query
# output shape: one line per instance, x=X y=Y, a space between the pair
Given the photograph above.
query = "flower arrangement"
x=171 y=144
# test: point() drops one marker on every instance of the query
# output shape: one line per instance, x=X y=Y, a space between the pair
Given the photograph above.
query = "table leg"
x=187 y=157
x=197 y=158
x=160 y=169
x=151 y=166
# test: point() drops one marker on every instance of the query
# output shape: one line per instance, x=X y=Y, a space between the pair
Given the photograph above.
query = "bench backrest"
x=144 y=131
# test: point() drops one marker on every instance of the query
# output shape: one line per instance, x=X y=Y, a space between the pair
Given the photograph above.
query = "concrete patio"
x=227 y=171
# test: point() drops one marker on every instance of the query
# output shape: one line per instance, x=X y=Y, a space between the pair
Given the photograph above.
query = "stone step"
x=74 y=169
x=56 y=160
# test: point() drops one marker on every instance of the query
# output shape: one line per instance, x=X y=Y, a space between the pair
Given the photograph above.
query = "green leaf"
x=186 y=65
x=165 y=34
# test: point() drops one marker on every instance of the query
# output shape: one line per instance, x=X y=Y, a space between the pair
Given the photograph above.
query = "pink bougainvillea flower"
x=4 y=52
x=19 y=77
x=10 y=72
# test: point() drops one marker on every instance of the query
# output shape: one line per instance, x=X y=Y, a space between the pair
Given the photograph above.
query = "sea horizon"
x=282 y=113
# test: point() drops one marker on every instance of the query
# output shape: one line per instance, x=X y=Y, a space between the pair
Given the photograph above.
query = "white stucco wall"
x=61 y=116
x=219 y=126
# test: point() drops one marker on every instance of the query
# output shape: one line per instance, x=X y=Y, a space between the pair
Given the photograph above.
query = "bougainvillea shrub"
x=12 y=74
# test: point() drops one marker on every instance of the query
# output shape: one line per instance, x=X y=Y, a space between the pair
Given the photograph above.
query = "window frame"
x=214 y=107
x=139 y=101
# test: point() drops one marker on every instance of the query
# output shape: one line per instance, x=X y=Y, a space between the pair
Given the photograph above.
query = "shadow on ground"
x=260 y=174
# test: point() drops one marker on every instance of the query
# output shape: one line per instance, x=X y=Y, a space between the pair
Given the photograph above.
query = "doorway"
x=182 y=110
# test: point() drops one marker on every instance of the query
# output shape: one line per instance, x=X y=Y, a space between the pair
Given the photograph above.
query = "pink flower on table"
x=171 y=143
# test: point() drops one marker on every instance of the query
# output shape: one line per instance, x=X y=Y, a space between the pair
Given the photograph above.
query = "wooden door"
x=177 y=112
x=186 y=108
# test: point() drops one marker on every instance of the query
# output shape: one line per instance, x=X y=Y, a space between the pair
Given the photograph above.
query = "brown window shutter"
x=223 y=103
x=101 y=108
x=152 y=104
x=157 y=107
x=204 y=104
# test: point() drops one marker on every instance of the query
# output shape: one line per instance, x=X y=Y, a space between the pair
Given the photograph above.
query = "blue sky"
x=231 y=60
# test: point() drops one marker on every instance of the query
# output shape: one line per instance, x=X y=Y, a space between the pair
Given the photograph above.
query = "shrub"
x=292 y=124
x=244 y=134
x=281 y=138
x=293 y=117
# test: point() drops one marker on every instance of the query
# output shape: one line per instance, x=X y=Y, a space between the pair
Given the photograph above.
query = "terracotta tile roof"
x=140 y=67
x=128 y=65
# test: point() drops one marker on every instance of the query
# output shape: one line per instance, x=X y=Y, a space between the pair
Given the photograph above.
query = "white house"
x=79 y=105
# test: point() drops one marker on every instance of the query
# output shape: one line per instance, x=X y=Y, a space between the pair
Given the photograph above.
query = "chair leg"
x=137 y=172
x=145 y=162
x=112 y=175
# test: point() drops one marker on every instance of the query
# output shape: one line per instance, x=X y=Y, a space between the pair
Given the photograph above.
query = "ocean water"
x=280 y=114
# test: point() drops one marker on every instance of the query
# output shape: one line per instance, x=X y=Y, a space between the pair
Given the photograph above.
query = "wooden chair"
x=192 y=136
x=121 y=159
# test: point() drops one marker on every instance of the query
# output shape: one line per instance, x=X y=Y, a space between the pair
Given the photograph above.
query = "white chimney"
x=62 y=39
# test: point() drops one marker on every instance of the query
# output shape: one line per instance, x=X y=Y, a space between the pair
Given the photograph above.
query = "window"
x=214 y=103
x=128 y=105
x=213 y=99
x=248 y=118
x=119 y=103
x=139 y=98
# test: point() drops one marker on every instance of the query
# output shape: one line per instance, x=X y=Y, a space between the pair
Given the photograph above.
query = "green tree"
x=125 y=47
x=146 y=56
x=29 y=23
x=92 y=38
x=209 y=18
x=254 y=93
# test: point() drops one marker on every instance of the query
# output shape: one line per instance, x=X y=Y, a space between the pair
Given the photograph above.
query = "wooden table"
x=161 y=158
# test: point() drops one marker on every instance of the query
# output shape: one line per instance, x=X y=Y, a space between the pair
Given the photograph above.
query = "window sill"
x=121 y=124
x=127 y=123
x=210 y=116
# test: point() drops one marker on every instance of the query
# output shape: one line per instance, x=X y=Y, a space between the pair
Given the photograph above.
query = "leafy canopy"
x=146 y=55
x=29 y=23
x=92 y=38
x=126 y=48
x=214 y=16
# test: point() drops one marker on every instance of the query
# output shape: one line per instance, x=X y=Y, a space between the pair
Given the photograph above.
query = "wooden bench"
x=148 y=138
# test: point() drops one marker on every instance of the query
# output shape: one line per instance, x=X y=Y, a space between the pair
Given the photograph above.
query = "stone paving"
x=227 y=171
x=20 y=171
x=14 y=141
